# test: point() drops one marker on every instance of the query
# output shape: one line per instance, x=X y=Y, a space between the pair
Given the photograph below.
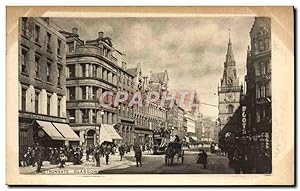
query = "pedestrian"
x=107 y=152
x=77 y=158
x=87 y=152
x=33 y=155
x=121 y=151
x=202 y=158
x=62 y=159
x=138 y=155
x=39 y=157
x=97 y=156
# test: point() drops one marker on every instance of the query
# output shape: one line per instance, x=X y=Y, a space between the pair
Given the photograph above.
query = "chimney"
x=75 y=30
x=100 y=35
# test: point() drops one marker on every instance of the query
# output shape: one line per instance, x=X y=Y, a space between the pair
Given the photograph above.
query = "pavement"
x=87 y=167
x=152 y=164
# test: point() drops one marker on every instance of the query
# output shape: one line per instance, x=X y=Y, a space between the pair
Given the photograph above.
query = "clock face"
x=230 y=96
x=41 y=133
x=229 y=81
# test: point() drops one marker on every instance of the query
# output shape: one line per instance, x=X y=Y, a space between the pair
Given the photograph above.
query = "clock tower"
x=229 y=93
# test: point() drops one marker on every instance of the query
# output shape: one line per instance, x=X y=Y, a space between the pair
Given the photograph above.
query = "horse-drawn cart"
x=173 y=150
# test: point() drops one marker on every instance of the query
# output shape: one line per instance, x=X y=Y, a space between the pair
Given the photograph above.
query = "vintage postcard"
x=150 y=96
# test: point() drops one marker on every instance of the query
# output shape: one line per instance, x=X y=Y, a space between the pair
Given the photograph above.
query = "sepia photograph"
x=149 y=95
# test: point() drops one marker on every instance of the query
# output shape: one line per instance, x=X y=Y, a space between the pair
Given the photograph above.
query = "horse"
x=169 y=157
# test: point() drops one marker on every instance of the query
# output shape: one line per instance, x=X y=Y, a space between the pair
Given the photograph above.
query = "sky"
x=191 y=49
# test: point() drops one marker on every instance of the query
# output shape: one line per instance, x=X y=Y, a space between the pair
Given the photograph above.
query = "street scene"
x=145 y=95
x=151 y=164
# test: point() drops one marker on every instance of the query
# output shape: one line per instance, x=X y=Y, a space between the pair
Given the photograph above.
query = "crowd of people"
x=37 y=154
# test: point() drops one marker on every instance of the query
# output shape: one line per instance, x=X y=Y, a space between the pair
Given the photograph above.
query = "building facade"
x=259 y=94
x=190 y=121
x=42 y=83
x=91 y=70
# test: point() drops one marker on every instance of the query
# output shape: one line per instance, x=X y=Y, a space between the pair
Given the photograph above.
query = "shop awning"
x=104 y=136
x=50 y=130
x=111 y=131
x=66 y=131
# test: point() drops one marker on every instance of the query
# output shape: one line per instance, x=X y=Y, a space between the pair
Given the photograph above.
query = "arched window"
x=230 y=108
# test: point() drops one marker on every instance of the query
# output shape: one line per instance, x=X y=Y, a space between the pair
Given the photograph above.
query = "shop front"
x=143 y=136
x=45 y=130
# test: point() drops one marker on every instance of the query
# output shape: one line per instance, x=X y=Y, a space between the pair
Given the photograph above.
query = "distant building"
x=181 y=129
x=190 y=121
x=42 y=85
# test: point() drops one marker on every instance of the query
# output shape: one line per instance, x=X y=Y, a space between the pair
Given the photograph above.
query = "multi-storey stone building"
x=92 y=69
x=126 y=83
x=42 y=85
x=259 y=94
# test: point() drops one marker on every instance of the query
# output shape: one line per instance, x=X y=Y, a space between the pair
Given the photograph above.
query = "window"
x=267 y=44
x=48 y=105
x=71 y=47
x=94 y=93
x=71 y=113
x=36 y=102
x=261 y=46
x=257 y=69
x=85 y=116
x=37 y=59
x=257 y=91
x=230 y=108
x=94 y=71
x=71 y=93
x=106 y=52
x=36 y=33
x=84 y=70
x=257 y=117
x=263 y=114
x=71 y=69
x=94 y=114
x=48 y=72
x=263 y=68
x=59 y=69
x=24 y=61
x=58 y=107
x=268 y=90
x=48 y=41
x=23 y=107
x=84 y=96
x=58 y=47
x=24 y=25
x=262 y=91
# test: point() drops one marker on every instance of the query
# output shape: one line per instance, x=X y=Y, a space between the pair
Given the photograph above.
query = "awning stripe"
x=50 y=130
x=66 y=131
x=111 y=131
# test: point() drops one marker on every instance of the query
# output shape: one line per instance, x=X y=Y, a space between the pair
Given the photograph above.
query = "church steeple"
x=229 y=55
x=229 y=76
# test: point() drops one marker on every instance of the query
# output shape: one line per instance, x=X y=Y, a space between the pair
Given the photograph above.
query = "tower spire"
x=229 y=55
x=229 y=36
